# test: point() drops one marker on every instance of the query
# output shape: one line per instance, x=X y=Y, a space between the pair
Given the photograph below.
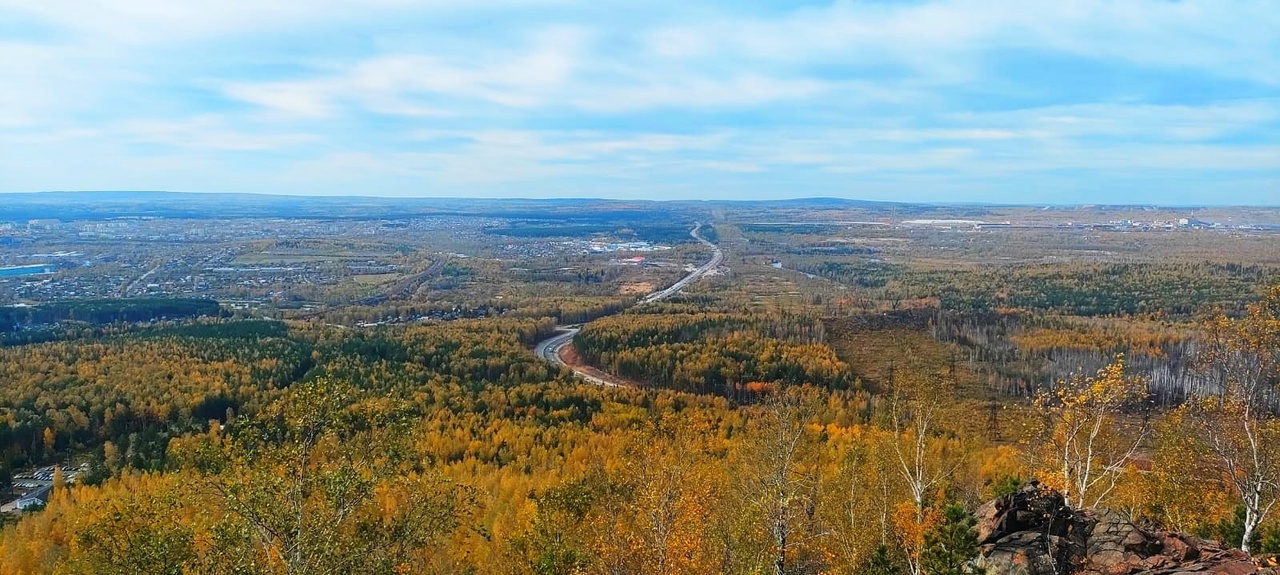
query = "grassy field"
x=376 y=279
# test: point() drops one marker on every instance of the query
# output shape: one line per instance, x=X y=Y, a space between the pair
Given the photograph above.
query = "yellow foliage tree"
x=1085 y=447
x=1240 y=361
x=918 y=404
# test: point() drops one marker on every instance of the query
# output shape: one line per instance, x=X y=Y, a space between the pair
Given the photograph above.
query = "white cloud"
x=397 y=84
x=207 y=132
x=945 y=41
x=303 y=99
x=555 y=70
x=44 y=82
x=692 y=91
x=743 y=62
x=1135 y=121
x=434 y=94
x=562 y=146
x=159 y=22
x=738 y=167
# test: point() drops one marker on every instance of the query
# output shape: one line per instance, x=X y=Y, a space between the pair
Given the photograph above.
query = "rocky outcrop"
x=1033 y=532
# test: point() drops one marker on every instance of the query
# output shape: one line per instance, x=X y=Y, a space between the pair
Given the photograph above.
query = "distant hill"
x=117 y=204
x=91 y=205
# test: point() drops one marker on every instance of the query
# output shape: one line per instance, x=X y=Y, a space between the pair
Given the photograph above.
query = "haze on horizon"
x=1146 y=101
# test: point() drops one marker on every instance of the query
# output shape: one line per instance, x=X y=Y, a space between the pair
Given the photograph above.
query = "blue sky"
x=1134 y=101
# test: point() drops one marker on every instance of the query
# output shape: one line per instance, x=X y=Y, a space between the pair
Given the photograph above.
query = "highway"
x=549 y=349
x=716 y=257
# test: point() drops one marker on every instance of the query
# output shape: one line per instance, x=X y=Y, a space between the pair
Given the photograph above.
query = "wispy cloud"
x=390 y=83
x=944 y=99
x=554 y=69
x=207 y=133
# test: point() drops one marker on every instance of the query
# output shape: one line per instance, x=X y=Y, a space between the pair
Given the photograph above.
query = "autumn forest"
x=510 y=394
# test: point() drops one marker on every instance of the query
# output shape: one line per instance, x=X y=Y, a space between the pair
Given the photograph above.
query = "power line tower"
x=993 y=421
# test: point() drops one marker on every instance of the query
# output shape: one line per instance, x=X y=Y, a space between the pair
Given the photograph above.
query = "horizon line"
x=650 y=200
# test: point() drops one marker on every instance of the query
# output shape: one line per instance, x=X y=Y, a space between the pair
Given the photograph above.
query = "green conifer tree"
x=881 y=563
x=949 y=548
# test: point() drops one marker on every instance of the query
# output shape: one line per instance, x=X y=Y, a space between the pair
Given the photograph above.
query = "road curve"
x=549 y=349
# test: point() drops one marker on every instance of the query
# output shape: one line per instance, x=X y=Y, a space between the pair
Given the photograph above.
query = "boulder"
x=1023 y=553
x=1114 y=544
x=1034 y=532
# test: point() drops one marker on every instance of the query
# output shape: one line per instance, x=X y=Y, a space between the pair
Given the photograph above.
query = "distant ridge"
x=107 y=204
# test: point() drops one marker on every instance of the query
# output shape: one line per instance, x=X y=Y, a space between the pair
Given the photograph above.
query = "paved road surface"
x=549 y=349
x=717 y=256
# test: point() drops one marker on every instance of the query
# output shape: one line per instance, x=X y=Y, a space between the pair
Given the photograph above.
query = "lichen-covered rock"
x=1033 y=532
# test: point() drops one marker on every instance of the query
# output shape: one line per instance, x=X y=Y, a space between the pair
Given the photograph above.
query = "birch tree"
x=782 y=482
x=917 y=405
x=1240 y=359
x=1087 y=447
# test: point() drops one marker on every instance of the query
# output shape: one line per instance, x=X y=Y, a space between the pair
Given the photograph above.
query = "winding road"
x=549 y=349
